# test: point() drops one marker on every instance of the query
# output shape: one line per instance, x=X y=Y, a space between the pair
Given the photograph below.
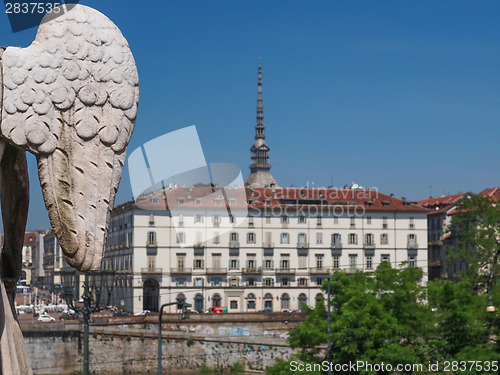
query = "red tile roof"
x=493 y=192
x=203 y=196
x=438 y=205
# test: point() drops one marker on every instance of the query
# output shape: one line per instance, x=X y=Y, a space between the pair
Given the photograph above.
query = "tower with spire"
x=260 y=175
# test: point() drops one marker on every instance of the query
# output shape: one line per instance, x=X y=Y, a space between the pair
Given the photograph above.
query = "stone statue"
x=71 y=99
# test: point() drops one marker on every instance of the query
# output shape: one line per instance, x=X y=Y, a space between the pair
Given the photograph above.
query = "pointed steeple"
x=260 y=175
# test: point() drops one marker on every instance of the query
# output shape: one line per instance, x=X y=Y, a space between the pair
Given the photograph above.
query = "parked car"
x=216 y=310
x=143 y=312
x=46 y=318
x=69 y=315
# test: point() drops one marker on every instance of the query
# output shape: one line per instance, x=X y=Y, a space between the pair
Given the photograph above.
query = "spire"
x=260 y=167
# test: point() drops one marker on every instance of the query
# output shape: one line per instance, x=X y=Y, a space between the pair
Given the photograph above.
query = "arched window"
x=302 y=300
x=268 y=302
x=319 y=298
x=216 y=300
x=285 y=302
x=251 y=301
x=198 y=303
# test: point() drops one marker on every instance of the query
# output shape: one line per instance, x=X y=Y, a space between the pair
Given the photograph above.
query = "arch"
x=198 y=303
x=302 y=300
x=268 y=302
x=151 y=295
x=216 y=300
x=251 y=301
x=319 y=298
x=285 y=301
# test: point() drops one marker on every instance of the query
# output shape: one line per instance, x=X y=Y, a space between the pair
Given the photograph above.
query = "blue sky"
x=397 y=95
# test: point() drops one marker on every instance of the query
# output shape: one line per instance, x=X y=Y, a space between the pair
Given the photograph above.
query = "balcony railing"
x=251 y=271
x=412 y=245
x=151 y=244
x=302 y=245
x=198 y=245
x=234 y=244
x=268 y=245
x=285 y=271
x=156 y=271
x=336 y=245
x=319 y=271
x=180 y=271
x=216 y=271
x=369 y=246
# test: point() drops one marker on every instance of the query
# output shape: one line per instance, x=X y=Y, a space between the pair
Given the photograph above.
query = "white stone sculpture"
x=71 y=99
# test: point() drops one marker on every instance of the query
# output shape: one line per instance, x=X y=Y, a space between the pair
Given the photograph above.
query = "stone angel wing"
x=71 y=99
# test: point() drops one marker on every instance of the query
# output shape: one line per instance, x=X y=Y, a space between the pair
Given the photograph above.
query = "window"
x=384 y=222
x=319 y=281
x=151 y=220
x=233 y=304
x=285 y=302
x=336 y=239
x=151 y=262
x=412 y=239
x=251 y=282
x=198 y=262
x=198 y=219
x=412 y=262
x=369 y=239
x=302 y=281
x=352 y=262
x=369 y=263
x=318 y=221
x=385 y=258
x=384 y=239
x=180 y=282
x=268 y=281
x=251 y=304
x=285 y=281
x=216 y=220
x=368 y=220
x=181 y=237
x=250 y=237
x=319 y=238
x=285 y=261
x=234 y=236
x=285 y=238
x=301 y=219
x=250 y=221
x=353 y=239
x=412 y=222
x=151 y=238
x=319 y=261
x=216 y=238
x=216 y=260
x=234 y=282
x=335 y=220
x=268 y=262
x=284 y=220
x=353 y=223
x=251 y=261
x=268 y=219
x=181 y=258
x=215 y=282
x=336 y=262
x=198 y=282
x=302 y=261
x=234 y=263
x=302 y=238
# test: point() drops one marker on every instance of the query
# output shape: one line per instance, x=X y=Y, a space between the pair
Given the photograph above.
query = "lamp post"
x=99 y=280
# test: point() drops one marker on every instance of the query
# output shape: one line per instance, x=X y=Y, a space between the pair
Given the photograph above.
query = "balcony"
x=369 y=246
x=216 y=271
x=302 y=245
x=336 y=245
x=151 y=244
x=199 y=245
x=319 y=271
x=412 y=245
x=181 y=271
x=152 y=271
x=234 y=244
x=268 y=245
x=285 y=271
x=251 y=271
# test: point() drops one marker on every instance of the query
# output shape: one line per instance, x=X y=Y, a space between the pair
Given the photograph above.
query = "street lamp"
x=99 y=280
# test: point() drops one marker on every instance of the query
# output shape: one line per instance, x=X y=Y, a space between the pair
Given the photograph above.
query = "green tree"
x=475 y=229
